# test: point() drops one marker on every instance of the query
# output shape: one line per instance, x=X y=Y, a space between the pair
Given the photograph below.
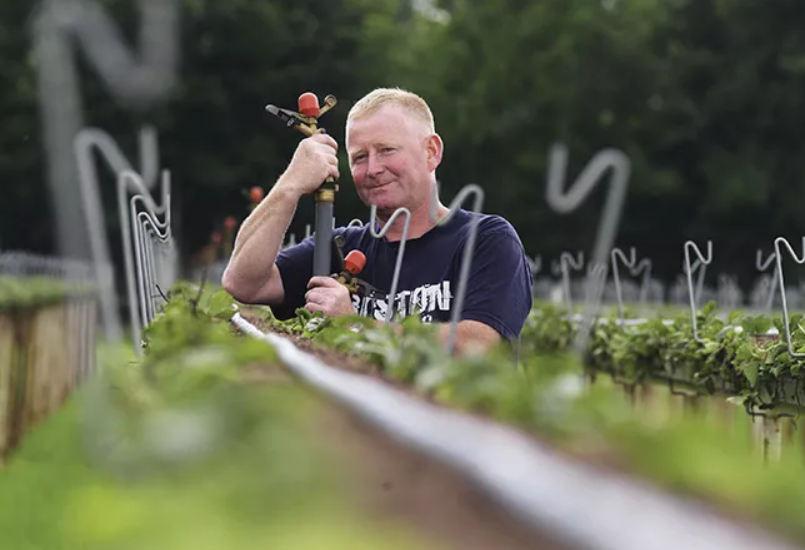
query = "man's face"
x=390 y=156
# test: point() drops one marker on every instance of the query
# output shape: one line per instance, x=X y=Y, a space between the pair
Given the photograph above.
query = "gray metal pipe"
x=323 y=239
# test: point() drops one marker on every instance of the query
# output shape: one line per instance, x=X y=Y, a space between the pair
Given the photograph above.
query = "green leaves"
x=724 y=359
x=756 y=325
x=548 y=394
x=750 y=370
x=546 y=329
x=708 y=311
x=222 y=305
x=32 y=292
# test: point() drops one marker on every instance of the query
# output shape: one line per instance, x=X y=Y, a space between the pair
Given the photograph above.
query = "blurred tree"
x=737 y=119
x=24 y=212
x=704 y=95
x=215 y=135
x=509 y=78
x=238 y=56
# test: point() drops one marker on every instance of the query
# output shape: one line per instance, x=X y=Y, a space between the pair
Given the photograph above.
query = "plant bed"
x=281 y=486
x=263 y=321
x=736 y=357
x=739 y=359
x=46 y=349
x=690 y=456
x=310 y=472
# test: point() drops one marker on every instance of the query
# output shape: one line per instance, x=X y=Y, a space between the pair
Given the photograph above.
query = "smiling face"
x=392 y=156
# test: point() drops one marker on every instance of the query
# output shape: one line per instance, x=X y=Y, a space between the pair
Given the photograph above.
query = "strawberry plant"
x=547 y=396
x=732 y=356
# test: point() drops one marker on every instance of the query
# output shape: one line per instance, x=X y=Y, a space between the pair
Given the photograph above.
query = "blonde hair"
x=408 y=101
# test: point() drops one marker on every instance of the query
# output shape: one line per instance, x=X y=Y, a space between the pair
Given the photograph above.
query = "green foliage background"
x=704 y=95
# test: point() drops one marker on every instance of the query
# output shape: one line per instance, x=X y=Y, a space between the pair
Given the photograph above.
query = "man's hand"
x=327 y=295
x=315 y=159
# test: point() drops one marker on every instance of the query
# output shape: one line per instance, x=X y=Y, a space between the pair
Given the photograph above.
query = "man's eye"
x=387 y=149
x=358 y=158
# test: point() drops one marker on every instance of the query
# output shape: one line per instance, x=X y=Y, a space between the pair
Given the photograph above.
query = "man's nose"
x=374 y=165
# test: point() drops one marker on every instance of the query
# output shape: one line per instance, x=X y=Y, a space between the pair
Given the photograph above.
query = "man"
x=393 y=153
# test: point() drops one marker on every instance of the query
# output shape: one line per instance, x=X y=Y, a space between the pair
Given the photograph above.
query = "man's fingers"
x=321 y=281
x=314 y=295
x=325 y=139
x=328 y=296
x=313 y=307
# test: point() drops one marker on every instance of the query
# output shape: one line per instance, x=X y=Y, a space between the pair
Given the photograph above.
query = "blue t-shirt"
x=498 y=288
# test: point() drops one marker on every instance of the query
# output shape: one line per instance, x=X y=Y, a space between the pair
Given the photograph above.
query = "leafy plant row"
x=185 y=453
x=31 y=292
x=733 y=356
x=546 y=396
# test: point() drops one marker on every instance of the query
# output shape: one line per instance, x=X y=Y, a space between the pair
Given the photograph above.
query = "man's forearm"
x=470 y=336
x=259 y=239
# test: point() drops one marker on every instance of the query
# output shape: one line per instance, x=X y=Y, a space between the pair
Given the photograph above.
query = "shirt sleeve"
x=499 y=292
x=295 y=265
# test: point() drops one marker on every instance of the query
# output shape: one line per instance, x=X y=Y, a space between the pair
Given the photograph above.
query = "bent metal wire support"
x=141 y=253
x=728 y=293
x=146 y=264
x=469 y=247
x=155 y=272
x=103 y=422
x=689 y=268
x=778 y=242
x=152 y=270
x=164 y=264
x=556 y=268
x=400 y=253
x=635 y=268
x=564 y=202
x=136 y=79
x=566 y=263
x=699 y=281
x=535 y=265
x=128 y=180
x=762 y=266
x=355 y=223
x=85 y=142
x=291 y=241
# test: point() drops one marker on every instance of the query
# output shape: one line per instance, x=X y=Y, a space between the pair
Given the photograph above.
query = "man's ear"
x=434 y=147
